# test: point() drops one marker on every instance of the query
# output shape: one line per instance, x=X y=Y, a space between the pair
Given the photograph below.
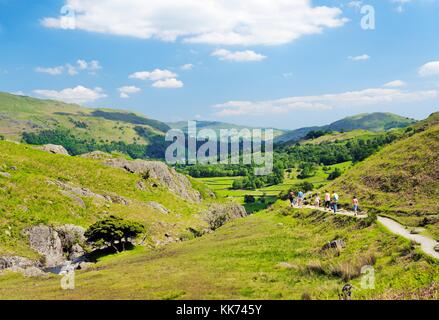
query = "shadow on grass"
x=95 y=255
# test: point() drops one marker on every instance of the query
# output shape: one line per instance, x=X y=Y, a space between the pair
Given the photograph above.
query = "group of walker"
x=330 y=201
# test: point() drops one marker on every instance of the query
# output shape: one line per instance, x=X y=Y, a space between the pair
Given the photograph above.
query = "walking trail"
x=427 y=244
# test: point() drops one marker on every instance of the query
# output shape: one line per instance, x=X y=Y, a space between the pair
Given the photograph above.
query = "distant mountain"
x=20 y=114
x=217 y=126
x=367 y=121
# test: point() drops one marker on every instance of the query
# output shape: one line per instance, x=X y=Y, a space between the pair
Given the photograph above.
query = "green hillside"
x=38 y=187
x=19 y=114
x=367 y=121
x=402 y=179
x=275 y=254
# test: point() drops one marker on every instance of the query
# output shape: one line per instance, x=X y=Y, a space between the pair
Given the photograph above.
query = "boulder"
x=13 y=262
x=336 y=244
x=23 y=265
x=219 y=214
x=58 y=244
x=5 y=175
x=46 y=241
x=55 y=149
x=159 y=171
x=157 y=206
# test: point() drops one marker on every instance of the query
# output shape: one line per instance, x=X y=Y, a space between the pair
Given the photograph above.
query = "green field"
x=222 y=186
x=274 y=254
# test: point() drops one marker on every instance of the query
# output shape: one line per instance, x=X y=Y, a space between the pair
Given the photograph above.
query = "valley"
x=213 y=232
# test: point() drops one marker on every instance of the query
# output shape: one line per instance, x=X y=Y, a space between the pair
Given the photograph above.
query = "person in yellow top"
x=334 y=198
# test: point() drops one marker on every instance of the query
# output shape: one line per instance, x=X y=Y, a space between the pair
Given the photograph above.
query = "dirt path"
x=427 y=244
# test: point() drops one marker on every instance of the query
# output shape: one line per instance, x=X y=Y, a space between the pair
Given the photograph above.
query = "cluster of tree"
x=77 y=146
x=331 y=153
x=252 y=182
x=314 y=134
x=78 y=123
x=207 y=171
x=335 y=174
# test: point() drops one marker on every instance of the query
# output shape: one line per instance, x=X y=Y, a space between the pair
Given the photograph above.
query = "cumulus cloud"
x=77 y=94
x=395 y=84
x=155 y=75
x=238 y=56
x=91 y=66
x=52 y=71
x=126 y=91
x=171 y=83
x=219 y=22
x=362 y=57
x=367 y=97
x=429 y=69
x=162 y=79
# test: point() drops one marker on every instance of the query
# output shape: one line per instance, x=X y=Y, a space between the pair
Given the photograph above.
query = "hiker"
x=317 y=201
x=355 y=204
x=327 y=200
x=300 y=196
x=334 y=201
x=292 y=199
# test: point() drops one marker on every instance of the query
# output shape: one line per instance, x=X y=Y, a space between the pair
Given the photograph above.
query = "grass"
x=274 y=254
x=401 y=181
x=26 y=198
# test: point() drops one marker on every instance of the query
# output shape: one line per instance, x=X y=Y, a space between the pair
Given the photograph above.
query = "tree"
x=335 y=174
x=112 y=230
x=248 y=198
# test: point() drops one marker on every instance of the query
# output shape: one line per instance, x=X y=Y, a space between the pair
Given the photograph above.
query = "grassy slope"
x=402 y=179
x=372 y=122
x=27 y=198
x=241 y=261
x=20 y=114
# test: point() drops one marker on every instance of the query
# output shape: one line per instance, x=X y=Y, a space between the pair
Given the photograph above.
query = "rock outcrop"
x=159 y=171
x=55 y=149
x=56 y=245
x=25 y=266
x=219 y=214
x=157 y=206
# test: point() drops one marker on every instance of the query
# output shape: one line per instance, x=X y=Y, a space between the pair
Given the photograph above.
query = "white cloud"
x=91 y=66
x=219 y=22
x=429 y=69
x=126 y=91
x=367 y=97
x=238 y=56
x=187 y=67
x=78 y=94
x=71 y=70
x=161 y=78
x=395 y=84
x=171 y=83
x=362 y=57
x=155 y=75
x=55 y=71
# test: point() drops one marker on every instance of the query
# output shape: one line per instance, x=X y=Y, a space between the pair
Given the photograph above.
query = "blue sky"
x=279 y=63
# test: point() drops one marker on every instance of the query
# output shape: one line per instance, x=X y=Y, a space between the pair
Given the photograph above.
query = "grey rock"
x=157 y=206
x=55 y=149
x=12 y=262
x=75 y=198
x=56 y=244
x=159 y=171
x=5 y=175
x=219 y=214
x=336 y=244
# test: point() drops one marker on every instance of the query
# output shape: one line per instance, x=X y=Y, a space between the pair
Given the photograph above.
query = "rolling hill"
x=369 y=121
x=19 y=114
x=217 y=126
x=402 y=179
